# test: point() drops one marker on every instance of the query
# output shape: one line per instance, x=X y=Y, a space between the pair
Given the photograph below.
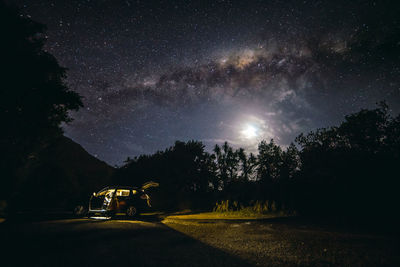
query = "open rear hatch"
x=149 y=184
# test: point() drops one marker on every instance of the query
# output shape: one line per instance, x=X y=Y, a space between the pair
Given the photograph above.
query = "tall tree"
x=34 y=97
x=227 y=163
x=247 y=164
x=268 y=168
x=269 y=161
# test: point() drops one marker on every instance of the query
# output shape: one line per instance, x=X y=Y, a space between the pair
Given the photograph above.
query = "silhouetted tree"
x=350 y=170
x=269 y=160
x=34 y=98
x=247 y=164
x=185 y=173
x=288 y=171
x=269 y=163
x=227 y=164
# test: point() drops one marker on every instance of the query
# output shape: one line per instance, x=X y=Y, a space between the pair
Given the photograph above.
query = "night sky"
x=238 y=71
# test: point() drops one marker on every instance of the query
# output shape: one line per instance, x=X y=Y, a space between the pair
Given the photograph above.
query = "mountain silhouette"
x=59 y=176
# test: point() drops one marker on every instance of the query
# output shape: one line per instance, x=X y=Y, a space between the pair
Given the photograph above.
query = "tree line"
x=350 y=170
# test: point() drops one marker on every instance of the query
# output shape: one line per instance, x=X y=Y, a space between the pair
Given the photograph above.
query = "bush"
x=255 y=207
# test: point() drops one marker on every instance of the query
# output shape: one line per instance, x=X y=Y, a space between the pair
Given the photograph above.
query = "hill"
x=58 y=176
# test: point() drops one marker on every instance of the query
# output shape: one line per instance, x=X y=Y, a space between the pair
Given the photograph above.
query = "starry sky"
x=152 y=72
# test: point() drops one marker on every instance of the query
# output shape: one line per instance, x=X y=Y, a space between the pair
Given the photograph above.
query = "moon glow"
x=249 y=131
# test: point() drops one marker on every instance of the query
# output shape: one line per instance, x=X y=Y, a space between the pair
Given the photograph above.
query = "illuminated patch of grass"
x=232 y=215
x=257 y=207
x=228 y=210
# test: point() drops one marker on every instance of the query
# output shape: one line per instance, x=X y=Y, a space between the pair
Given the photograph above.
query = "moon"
x=249 y=131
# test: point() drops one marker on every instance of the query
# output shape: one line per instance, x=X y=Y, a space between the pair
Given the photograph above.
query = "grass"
x=233 y=215
x=228 y=210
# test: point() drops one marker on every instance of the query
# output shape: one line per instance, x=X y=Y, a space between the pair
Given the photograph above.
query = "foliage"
x=353 y=168
x=256 y=207
x=34 y=98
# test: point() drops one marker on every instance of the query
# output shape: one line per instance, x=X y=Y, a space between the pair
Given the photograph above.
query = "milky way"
x=155 y=72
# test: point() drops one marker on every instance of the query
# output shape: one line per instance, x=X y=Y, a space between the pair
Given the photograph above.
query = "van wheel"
x=131 y=211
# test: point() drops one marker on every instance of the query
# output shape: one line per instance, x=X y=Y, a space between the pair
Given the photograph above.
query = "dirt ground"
x=153 y=241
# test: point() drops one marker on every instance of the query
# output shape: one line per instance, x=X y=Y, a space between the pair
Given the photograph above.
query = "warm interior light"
x=122 y=192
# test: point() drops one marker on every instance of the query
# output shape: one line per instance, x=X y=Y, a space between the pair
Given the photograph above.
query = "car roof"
x=119 y=187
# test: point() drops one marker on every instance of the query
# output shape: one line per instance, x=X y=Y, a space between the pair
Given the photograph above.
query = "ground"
x=183 y=241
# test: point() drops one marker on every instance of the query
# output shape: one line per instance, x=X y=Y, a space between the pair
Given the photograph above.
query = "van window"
x=122 y=192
